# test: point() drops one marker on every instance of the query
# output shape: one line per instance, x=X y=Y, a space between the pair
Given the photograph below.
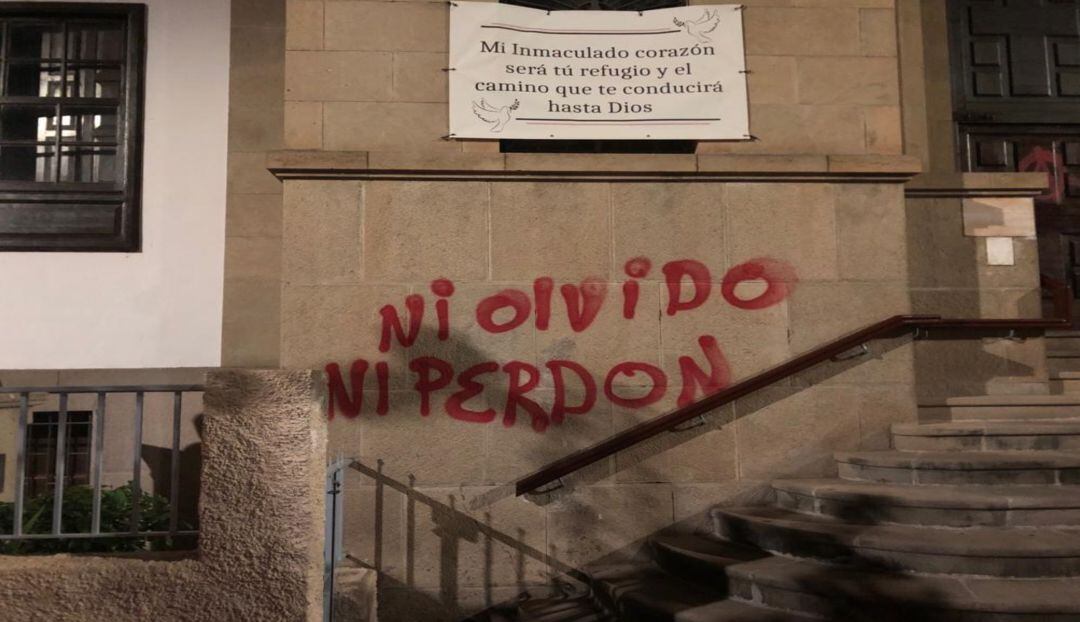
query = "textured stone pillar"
x=262 y=514
x=263 y=490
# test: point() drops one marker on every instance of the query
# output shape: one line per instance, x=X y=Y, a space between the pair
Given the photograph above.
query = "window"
x=597 y=146
x=71 y=91
x=41 y=451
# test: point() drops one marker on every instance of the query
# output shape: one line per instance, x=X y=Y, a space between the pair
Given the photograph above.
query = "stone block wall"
x=252 y=296
x=379 y=211
x=824 y=77
x=431 y=508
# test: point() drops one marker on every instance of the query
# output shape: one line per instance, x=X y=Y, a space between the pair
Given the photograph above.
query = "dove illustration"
x=700 y=28
x=490 y=114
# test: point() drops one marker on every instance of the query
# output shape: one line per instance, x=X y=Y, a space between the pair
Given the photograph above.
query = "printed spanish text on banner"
x=666 y=74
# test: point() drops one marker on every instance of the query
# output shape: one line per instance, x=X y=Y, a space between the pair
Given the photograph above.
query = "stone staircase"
x=973 y=518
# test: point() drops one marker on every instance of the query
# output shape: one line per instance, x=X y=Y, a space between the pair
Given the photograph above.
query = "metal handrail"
x=1061 y=295
x=96 y=460
x=893 y=326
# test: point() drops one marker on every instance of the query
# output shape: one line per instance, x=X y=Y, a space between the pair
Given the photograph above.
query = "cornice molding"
x=628 y=168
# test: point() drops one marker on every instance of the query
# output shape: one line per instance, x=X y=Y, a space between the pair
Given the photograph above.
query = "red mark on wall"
x=754 y=285
x=779 y=279
x=1043 y=160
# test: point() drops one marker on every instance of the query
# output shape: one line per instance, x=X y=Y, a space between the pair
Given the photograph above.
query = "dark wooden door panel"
x=1016 y=60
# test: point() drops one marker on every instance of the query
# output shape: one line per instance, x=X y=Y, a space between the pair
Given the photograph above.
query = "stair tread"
x=963 y=461
x=560 y=610
x=944 y=496
x=875 y=587
x=646 y=589
x=998 y=542
x=1008 y=400
x=1065 y=374
x=1026 y=427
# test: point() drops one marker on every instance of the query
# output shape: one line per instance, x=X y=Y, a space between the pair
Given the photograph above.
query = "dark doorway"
x=1016 y=101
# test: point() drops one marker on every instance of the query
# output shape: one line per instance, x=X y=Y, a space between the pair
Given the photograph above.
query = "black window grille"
x=597 y=146
x=71 y=93
x=41 y=436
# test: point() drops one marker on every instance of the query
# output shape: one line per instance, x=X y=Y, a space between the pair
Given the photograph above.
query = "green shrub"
x=76 y=516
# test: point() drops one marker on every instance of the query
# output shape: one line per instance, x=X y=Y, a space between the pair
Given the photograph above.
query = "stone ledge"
x=589 y=167
x=932 y=185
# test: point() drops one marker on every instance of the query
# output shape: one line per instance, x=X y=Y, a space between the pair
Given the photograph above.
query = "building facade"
x=482 y=308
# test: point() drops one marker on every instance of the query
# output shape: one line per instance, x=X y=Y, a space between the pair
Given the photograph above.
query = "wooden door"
x=1016 y=100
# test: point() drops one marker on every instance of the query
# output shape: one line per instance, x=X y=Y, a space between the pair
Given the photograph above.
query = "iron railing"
x=334 y=550
x=97 y=449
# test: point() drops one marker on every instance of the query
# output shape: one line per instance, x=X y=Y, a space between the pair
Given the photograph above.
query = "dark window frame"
x=81 y=216
x=41 y=434
x=658 y=147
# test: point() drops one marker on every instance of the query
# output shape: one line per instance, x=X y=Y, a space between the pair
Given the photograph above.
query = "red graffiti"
x=630 y=369
x=508 y=298
x=339 y=397
x=391 y=322
x=1043 y=160
x=719 y=375
x=779 y=279
x=515 y=395
x=425 y=384
x=559 y=409
x=675 y=272
x=576 y=389
x=583 y=303
x=470 y=388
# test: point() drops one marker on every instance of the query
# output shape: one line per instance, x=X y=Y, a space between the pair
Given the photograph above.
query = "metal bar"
x=98 y=449
x=84 y=536
x=61 y=463
x=150 y=388
x=136 y=467
x=20 y=462
x=174 y=473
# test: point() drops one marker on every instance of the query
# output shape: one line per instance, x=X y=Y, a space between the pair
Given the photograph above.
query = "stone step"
x=991 y=551
x=1034 y=434
x=1016 y=407
x=645 y=593
x=578 y=609
x=866 y=595
x=949 y=506
x=1058 y=361
x=957 y=467
x=1065 y=382
x=700 y=559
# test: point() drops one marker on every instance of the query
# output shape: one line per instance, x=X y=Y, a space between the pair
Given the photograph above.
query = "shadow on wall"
x=159 y=462
x=623 y=574
x=947 y=277
x=454 y=525
x=451 y=526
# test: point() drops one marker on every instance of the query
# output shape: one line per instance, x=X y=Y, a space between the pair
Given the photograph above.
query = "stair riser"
x=870 y=606
x=1046 y=442
x=1060 y=364
x=1001 y=413
x=857 y=472
x=1063 y=344
x=861 y=511
x=1064 y=386
x=812 y=546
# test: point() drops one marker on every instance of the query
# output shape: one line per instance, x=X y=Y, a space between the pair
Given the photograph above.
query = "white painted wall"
x=160 y=307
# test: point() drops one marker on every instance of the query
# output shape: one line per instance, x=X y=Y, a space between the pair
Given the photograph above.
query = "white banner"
x=663 y=74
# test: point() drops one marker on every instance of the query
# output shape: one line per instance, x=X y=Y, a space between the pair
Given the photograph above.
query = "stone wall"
x=380 y=210
x=824 y=77
x=252 y=297
x=260 y=551
x=431 y=507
